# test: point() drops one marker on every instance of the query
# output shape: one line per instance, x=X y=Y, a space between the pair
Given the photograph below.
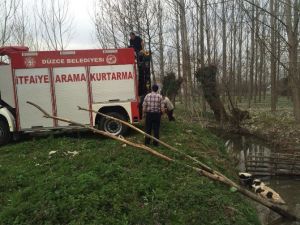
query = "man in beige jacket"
x=169 y=108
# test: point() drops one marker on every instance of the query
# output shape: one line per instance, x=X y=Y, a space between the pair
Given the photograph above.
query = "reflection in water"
x=250 y=153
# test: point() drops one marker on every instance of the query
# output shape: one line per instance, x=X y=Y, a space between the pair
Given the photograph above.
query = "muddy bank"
x=278 y=129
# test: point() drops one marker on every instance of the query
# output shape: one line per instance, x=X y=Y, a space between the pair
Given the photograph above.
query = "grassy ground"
x=110 y=184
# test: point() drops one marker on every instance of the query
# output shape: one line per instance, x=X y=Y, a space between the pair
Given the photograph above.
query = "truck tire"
x=113 y=127
x=5 y=134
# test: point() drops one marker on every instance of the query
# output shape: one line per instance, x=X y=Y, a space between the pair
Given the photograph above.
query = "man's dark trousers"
x=170 y=115
x=152 y=122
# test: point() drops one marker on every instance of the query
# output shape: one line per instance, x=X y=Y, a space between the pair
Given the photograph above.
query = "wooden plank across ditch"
x=274 y=163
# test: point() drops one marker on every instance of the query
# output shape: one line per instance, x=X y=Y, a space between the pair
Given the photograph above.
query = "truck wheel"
x=4 y=132
x=114 y=127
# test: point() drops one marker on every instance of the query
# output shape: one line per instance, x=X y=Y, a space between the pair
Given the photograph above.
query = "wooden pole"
x=106 y=134
x=214 y=176
x=203 y=166
x=206 y=170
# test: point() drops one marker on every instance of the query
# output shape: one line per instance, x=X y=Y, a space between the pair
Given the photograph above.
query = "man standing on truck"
x=136 y=42
x=153 y=106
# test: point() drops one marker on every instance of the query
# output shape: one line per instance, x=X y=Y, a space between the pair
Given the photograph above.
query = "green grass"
x=109 y=184
x=283 y=104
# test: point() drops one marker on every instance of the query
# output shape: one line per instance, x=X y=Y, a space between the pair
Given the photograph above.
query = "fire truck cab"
x=104 y=80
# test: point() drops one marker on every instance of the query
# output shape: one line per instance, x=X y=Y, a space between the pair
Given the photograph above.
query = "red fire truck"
x=104 y=80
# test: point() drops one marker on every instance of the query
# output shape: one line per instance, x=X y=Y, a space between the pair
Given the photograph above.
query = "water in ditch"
x=287 y=186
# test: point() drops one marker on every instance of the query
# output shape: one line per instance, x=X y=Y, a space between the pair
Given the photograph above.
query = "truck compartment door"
x=33 y=85
x=71 y=90
x=112 y=83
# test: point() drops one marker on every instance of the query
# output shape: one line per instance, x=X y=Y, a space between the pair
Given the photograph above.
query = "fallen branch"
x=203 y=166
x=214 y=176
x=106 y=134
x=206 y=170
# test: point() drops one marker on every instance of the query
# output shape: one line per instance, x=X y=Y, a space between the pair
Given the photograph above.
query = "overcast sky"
x=80 y=10
x=83 y=29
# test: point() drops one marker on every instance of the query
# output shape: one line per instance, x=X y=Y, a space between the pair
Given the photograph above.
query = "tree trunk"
x=246 y=85
x=256 y=52
x=160 y=38
x=207 y=77
x=215 y=36
x=261 y=65
x=224 y=51
x=207 y=34
x=292 y=33
x=251 y=74
x=186 y=60
x=273 y=60
x=178 y=49
x=233 y=67
x=202 y=47
x=240 y=63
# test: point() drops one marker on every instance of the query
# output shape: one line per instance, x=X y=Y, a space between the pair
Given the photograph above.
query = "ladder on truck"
x=144 y=76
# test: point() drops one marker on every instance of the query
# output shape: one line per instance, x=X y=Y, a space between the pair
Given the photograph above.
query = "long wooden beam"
x=217 y=176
